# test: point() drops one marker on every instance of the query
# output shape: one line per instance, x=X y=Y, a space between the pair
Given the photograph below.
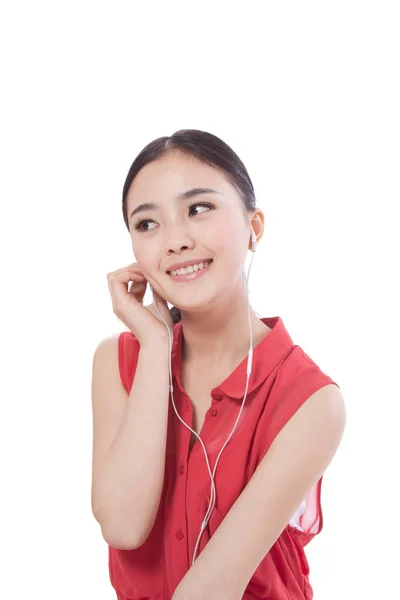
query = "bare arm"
x=129 y=442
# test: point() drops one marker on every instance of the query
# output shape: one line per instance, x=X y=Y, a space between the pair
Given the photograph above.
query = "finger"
x=138 y=282
x=127 y=271
x=134 y=266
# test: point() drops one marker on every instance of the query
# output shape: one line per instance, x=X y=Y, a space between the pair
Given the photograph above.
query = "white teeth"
x=190 y=269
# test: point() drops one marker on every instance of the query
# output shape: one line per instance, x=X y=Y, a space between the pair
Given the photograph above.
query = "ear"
x=257 y=225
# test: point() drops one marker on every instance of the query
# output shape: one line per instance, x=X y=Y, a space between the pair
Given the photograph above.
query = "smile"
x=189 y=273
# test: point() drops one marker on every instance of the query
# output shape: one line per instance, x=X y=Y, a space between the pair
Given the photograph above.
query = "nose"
x=177 y=241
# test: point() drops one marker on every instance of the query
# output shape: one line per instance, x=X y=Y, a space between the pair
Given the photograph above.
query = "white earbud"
x=253 y=241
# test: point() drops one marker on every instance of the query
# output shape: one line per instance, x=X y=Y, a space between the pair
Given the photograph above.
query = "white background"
x=307 y=93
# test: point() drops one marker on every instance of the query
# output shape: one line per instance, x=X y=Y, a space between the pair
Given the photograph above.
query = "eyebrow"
x=183 y=196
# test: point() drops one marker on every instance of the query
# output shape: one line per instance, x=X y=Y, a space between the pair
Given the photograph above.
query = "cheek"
x=225 y=241
x=145 y=260
x=218 y=238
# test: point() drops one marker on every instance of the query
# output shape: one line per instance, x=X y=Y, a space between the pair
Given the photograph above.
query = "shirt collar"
x=266 y=355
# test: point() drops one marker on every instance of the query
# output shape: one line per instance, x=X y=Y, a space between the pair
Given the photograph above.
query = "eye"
x=140 y=222
x=206 y=204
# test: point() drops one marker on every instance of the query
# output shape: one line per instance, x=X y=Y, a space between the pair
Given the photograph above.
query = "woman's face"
x=175 y=232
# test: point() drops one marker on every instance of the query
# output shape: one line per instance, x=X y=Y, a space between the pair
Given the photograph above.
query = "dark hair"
x=205 y=147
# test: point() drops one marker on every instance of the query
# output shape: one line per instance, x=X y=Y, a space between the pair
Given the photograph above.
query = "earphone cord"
x=248 y=371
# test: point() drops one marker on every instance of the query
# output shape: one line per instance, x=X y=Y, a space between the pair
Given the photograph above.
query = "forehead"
x=171 y=175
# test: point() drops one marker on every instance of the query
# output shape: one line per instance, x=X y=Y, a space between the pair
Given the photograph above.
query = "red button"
x=182 y=469
x=213 y=411
x=179 y=534
x=218 y=396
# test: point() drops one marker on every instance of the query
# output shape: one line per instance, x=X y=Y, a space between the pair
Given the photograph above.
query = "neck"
x=221 y=334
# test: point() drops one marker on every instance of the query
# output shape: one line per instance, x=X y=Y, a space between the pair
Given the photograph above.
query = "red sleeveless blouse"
x=283 y=377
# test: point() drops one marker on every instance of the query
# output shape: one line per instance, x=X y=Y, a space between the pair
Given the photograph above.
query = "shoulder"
x=300 y=387
x=116 y=344
x=114 y=351
x=106 y=354
x=300 y=372
x=316 y=428
x=107 y=345
x=118 y=354
x=324 y=407
x=112 y=359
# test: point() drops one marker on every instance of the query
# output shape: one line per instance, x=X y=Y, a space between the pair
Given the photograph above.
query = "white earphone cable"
x=248 y=372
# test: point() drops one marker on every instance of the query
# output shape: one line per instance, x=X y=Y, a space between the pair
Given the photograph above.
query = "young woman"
x=182 y=519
